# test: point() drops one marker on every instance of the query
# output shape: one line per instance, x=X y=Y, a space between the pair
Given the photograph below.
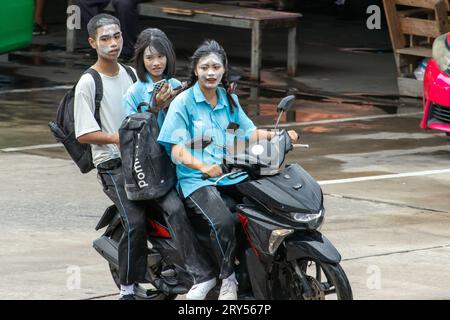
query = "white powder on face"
x=210 y=61
x=109 y=31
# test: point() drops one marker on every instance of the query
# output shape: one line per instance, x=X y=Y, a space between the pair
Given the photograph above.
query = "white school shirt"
x=112 y=112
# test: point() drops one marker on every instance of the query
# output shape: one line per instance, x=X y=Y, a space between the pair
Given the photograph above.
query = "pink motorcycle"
x=436 y=87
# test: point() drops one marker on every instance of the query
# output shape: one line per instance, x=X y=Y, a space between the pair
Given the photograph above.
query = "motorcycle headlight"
x=321 y=223
x=313 y=220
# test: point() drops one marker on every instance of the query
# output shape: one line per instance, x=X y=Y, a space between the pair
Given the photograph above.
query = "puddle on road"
x=262 y=100
x=390 y=136
x=24 y=116
x=38 y=55
x=10 y=80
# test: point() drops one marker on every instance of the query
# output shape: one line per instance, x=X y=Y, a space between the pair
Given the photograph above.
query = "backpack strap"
x=99 y=89
x=143 y=104
x=236 y=114
x=129 y=71
x=98 y=93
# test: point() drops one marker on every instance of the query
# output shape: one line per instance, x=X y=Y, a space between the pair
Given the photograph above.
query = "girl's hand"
x=293 y=135
x=180 y=88
x=212 y=170
x=164 y=94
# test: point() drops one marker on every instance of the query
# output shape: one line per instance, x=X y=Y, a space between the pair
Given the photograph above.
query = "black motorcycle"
x=280 y=252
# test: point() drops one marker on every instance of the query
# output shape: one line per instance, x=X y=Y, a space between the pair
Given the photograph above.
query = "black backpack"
x=63 y=128
x=147 y=169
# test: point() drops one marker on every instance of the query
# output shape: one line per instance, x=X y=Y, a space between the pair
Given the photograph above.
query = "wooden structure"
x=256 y=20
x=413 y=26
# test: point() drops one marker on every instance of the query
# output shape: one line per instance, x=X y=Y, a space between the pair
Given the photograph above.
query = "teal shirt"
x=143 y=92
x=191 y=116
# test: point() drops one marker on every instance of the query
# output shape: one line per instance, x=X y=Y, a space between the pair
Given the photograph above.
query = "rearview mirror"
x=286 y=103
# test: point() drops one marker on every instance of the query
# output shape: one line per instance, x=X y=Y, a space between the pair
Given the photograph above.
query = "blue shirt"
x=191 y=116
x=143 y=92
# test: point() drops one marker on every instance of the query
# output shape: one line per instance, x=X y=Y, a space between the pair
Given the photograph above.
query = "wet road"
x=385 y=183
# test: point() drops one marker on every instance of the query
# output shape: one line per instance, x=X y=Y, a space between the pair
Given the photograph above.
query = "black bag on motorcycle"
x=147 y=169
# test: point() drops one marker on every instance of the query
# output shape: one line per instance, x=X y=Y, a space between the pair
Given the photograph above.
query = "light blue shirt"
x=143 y=92
x=191 y=116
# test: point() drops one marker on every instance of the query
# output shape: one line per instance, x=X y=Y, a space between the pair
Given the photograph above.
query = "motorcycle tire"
x=340 y=280
x=141 y=293
x=308 y=279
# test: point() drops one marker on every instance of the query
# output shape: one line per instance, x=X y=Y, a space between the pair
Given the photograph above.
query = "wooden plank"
x=221 y=10
x=285 y=23
x=256 y=58
x=413 y=12
x=183 y=12
x=292 y=52
x=407 y=22
x=251 y=14
x=441 y=16
x=416 y=51
x=210 y=14
x=429 y=4
x=397 y=38
x=153 y=11
x=250 y=4
x=419 y=27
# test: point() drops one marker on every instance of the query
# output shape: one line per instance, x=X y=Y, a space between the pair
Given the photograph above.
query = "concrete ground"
x=392 y=233
x=385 y=180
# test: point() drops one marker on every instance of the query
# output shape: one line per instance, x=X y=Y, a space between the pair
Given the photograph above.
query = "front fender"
x=311 y=245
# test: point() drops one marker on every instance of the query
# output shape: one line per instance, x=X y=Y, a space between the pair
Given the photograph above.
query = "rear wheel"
x=143 y=291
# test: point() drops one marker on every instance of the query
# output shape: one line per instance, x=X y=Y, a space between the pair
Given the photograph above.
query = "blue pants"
x=212 y=217
x=133 y=244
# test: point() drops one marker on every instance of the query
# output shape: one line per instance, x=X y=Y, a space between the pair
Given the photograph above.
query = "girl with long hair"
x=208 y=108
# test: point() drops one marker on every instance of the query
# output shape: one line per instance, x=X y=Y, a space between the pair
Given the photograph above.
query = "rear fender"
x=108 y=216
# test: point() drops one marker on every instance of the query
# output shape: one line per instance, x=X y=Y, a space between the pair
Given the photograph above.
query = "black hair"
x=206 y=48
x=100 y=20
x=157 y=39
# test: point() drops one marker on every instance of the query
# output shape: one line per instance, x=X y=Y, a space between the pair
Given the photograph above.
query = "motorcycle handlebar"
x=205 y=176
x=289 y=146
x=224 y=168
x=299 y=145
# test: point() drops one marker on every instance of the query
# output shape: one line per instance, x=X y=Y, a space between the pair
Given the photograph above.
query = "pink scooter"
x=436 y=87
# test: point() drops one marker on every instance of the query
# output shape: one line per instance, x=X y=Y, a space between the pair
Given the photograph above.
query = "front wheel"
x=307 y=279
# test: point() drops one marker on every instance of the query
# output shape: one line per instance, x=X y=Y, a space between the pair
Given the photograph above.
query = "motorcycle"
x=280 y=251
x=436 y=86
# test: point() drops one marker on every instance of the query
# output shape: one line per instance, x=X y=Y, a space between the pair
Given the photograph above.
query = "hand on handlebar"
x=211 y=171
x=293 y=135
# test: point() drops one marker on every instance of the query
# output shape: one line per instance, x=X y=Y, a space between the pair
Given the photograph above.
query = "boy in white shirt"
x=101 y=132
